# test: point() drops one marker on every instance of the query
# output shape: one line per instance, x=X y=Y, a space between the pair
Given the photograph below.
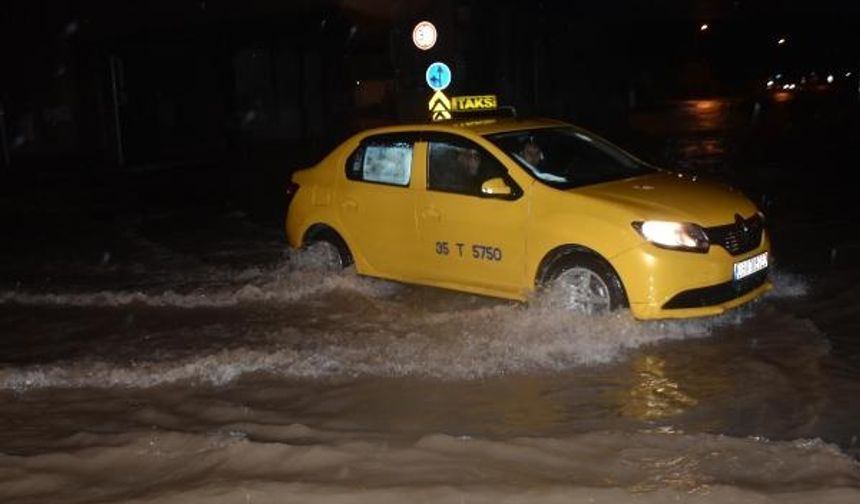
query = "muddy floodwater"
x=182 y=354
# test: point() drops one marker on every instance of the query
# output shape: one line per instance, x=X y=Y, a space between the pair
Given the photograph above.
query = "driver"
x=531 y=152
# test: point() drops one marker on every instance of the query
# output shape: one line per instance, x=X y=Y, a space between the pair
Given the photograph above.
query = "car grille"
x=739 y=237
x=717 y=294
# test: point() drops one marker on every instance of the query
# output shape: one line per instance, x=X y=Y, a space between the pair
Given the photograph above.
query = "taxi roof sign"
x=442 y=107
x=474 y=103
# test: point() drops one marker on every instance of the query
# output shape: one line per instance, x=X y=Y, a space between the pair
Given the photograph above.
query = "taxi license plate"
x=748 y=267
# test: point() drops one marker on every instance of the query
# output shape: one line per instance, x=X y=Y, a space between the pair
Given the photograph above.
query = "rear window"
x=382 y=160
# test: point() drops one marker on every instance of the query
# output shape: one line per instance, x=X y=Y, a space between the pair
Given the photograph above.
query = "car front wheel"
x=584 y=284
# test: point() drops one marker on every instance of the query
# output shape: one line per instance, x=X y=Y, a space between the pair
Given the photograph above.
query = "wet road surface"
x=156 y=351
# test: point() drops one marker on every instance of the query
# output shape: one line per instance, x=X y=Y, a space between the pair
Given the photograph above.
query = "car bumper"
x=672 y=284
x=648 y=311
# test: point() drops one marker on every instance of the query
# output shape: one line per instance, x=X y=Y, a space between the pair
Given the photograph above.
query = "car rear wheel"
x=326 y=251
x=584 y=284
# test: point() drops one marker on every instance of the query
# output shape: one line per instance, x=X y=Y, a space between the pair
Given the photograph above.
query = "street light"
x=704 y=27
x=781 y=41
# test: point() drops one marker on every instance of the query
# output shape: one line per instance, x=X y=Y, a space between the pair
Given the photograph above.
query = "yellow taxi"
x=512 y=207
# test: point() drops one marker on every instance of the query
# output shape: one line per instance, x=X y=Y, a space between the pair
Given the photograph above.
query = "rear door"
x=377 y=204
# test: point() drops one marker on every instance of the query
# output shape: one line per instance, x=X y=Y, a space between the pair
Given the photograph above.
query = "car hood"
x=667 y=196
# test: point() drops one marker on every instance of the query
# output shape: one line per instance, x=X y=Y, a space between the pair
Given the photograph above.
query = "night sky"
x=108 y=85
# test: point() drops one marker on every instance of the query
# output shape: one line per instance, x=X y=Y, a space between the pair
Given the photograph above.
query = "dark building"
x=126 y=84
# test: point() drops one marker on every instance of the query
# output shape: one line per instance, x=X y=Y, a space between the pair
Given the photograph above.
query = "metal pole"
x=113 y=63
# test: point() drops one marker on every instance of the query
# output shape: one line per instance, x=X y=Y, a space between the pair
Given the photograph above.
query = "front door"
x=467 y=237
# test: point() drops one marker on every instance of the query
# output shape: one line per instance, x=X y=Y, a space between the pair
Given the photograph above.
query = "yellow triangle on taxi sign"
x=440 y=106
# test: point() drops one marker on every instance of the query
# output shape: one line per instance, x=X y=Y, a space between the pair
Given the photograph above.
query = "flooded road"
x=181 y=354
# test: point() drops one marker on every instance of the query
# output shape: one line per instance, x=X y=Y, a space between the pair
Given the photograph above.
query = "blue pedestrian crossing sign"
x=438 y=76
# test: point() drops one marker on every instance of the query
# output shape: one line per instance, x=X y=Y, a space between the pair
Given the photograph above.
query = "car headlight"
x=674 y=235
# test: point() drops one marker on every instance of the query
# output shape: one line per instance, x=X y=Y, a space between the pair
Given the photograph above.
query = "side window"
x=460 y=166
x=382 y=160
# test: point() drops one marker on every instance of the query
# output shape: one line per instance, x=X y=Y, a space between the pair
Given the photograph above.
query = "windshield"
x=566 y=157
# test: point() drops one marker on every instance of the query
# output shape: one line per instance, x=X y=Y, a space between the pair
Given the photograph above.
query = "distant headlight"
x=674 y=235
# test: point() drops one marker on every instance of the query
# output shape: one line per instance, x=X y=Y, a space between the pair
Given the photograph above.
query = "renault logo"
x=742 y=224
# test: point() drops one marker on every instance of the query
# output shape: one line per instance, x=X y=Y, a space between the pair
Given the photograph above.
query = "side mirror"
x=496 y=186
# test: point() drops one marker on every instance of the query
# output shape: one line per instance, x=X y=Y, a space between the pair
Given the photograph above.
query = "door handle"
x=349 y=205
x=431 y=213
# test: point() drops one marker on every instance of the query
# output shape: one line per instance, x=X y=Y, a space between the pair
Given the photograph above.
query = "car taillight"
x=292 y=189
